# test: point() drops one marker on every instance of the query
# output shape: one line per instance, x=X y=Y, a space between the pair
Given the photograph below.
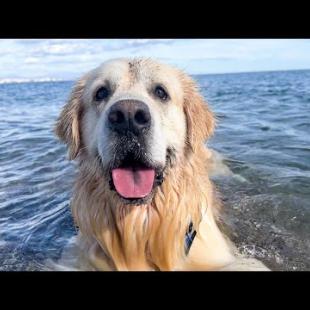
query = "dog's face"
x=133 y=119
x=137 y=117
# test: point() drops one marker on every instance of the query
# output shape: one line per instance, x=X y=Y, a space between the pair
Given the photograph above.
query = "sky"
x=67 y=59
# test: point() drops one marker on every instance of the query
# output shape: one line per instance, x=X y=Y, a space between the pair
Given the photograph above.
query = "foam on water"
x=218 y=167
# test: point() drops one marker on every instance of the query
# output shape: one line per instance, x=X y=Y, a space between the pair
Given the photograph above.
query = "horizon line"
x=54 y=79
x=256 y=71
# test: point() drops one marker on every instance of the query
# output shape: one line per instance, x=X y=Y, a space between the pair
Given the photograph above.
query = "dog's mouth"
x=134 y=180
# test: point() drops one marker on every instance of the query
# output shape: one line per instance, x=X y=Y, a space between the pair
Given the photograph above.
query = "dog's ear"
x=68 y=123
x=199 y=118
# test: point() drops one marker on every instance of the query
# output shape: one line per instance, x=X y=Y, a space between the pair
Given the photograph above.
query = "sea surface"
x=262 y=144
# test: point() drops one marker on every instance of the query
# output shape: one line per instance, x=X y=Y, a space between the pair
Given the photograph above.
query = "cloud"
x=61 y=47
x=31 y=60
x=134 y=43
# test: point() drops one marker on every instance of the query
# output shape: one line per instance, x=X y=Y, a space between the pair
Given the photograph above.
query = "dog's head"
x=139 y=118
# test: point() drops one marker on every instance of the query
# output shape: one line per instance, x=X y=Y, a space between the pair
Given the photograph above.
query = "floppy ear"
x=199 y=118
x=68 y=123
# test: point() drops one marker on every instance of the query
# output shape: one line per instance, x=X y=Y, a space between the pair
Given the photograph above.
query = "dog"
x=142 y=198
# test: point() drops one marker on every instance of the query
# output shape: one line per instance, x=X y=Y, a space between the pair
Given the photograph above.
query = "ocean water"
x=262 y=143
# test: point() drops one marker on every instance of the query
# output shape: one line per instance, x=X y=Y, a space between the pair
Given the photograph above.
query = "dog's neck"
x=146 y=236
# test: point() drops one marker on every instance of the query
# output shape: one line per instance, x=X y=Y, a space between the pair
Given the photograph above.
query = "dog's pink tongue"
x=133 y=183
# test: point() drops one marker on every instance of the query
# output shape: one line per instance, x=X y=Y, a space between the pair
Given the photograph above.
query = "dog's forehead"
x=137 y=70
x=112 y=70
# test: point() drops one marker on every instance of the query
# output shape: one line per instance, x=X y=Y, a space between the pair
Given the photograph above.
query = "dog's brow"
x=133 y=70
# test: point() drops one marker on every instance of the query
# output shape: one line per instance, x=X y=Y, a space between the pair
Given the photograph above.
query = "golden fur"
x=151 y=236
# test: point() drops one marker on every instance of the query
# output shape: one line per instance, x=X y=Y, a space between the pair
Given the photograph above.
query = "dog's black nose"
x=129 y=116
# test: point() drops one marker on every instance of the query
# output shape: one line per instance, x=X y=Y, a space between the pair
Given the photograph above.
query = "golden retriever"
x=143 y=199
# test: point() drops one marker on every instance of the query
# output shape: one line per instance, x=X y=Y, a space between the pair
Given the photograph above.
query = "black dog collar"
x=189 y=238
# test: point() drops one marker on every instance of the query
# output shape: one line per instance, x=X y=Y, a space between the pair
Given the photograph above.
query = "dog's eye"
x=161 y=93
x=102 y=93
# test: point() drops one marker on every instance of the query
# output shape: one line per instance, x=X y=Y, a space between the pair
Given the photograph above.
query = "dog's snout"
x=129 y=116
